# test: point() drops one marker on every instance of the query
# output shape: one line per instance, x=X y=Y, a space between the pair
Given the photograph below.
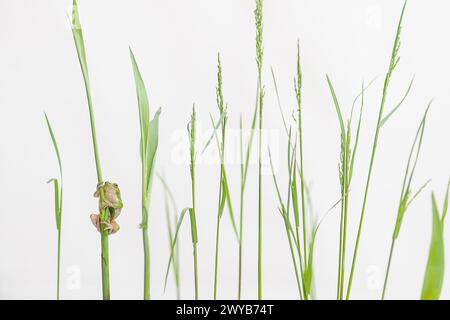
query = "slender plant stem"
x=366 y=192
x=195 y=271
x=344 y=213
x=259 y=60
x=338 y=297
x=79 y=43
x=392 y=65
x=344 y=243
x=58 y=272
x=105 y=265
x=192 y=135
x=219 y=216
x=305 y=295
x=223 y=192
x=302 y=187
x=241 y=211
x=104 y=212
x=58 y=196
x=259 y=212
x=298 y=278
x=146 y=257
x=388 y=268
x=302 y=180
x=405 y=194
x=216 y=259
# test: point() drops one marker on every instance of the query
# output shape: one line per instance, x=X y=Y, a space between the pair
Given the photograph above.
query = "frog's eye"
x=115 y=185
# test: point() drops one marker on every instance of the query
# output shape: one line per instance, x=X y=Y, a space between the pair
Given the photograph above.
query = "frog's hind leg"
x=112 y=227
x=95 y=219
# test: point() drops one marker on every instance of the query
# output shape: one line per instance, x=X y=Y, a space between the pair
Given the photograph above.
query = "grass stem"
x=392 y=65
x=79 y=43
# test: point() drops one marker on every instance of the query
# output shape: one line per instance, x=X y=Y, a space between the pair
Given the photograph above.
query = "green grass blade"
x=279 y=101
x=386 y=118
x=143 y=105
x=152 y=147
x=405 y=195
x=358 y=129
x=289 y=232
x=224 y=184
x=193 y=226
x=79 y=43
x=336 y=106
x=445 y=206
x=174 y=242
x=169 y=203
x=57 y=203
x=148 y=147
x=216 y=126
x=434 y=272
x=55 y=145
x=393 y=63
x=409 y=174
x=58 y=197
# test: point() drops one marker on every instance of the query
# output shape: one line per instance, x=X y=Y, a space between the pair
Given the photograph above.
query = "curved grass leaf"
x=174 y=242
x=386 y=118
x=58 y=194
x=434 y=272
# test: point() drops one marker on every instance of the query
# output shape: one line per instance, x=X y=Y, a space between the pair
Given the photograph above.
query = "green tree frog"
x=112 y=201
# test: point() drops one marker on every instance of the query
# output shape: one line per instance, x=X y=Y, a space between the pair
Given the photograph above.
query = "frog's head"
x=112 y=192
x=108 y=186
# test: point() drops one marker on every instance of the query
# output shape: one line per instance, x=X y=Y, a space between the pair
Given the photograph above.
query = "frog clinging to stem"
x=112 y=202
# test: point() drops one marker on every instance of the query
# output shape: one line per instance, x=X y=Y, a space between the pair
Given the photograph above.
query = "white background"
x=176 y=43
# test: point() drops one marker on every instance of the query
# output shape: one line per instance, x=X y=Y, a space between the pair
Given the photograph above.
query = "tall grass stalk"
x=192 y=212
x=259 y=62
x=406 y=195
x=393 y=63
x=346 y=164
x=191 y=128
x=245 y=156
x=58 y=195
x=148 y=148
x=284 y=211
x=295 y=167
x=298 y=95
x=104 y=213
x=224 y=194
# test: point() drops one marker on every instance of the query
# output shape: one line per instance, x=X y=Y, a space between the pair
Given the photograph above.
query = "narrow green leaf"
x=409 y=173
x=355 y=145
x=225 y=190
x=336 y=105
x=55 y=145
x=295 y=203
x=168 y=196
x=174 y=242
x=216 y=126
x=386 y=118
x=445 y=206
x=56 y=196
x=434 y=272
x=193 y=226
x=152 y=146
x=143 y=105
x=58 y=190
